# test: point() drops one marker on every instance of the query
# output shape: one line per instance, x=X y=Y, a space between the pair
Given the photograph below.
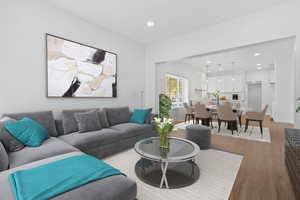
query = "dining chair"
x=238 y=112
x=189 y=113
x=225 y=114
x=256 y=117
x=202 y=114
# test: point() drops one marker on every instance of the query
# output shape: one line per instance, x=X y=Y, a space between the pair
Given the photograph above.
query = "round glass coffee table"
x=170 y=168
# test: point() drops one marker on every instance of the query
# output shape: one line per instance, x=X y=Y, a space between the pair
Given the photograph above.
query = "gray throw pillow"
x=59 y=127
x=10 y=142
x=117 y=115
x=103 y=119
x=88 y=121
x=68 y=120
x=4 y=162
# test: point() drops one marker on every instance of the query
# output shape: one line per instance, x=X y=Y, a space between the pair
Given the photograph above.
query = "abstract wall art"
x=78 y=70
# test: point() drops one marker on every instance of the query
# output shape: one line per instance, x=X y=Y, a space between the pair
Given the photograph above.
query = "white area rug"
x=253 y=132
x=218 y=171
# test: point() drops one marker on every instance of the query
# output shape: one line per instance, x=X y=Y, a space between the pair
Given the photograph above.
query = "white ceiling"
x=243 y=58
x=172 y=17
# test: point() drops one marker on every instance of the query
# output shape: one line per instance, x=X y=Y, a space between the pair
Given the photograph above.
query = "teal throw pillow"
x=27 y=131
x=139 y=116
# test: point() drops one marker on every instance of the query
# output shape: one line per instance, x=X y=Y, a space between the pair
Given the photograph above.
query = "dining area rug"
x=253 y=132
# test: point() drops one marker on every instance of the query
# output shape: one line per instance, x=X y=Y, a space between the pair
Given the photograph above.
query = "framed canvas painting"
x=78 y=70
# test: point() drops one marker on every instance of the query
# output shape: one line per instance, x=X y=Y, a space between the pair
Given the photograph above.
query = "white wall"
x=22 y=57
x=277 y=22
x=267 y=89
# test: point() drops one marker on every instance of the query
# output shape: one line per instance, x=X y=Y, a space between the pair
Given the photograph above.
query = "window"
x=177 y=90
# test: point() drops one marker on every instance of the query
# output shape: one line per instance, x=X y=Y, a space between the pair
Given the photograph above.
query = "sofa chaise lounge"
x=117 y=134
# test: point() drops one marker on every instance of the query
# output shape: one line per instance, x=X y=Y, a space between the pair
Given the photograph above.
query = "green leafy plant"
x=165 y=104
x=217 y=95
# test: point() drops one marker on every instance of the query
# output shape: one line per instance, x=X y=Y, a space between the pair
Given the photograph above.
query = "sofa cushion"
x=116 y=187
x=117 y=115
x=103 y=119
x=132 y=129
x=4 y=162
x=45 y=118
x=59 y=127
x=88 y=121
x=149 y=117
x=92 y=139
x=50 y=147
x=110 y=188
x=10 y=142
x=27 y=131
x=69 y=121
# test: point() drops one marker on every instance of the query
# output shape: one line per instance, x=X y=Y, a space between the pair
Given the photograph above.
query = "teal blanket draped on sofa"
x=52 y=179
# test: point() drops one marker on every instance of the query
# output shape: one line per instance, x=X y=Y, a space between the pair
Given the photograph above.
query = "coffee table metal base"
x=167 y=175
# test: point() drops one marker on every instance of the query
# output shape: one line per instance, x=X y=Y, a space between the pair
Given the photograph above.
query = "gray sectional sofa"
x=117 y=134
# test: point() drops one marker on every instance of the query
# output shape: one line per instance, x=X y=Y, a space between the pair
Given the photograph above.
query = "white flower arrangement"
x=163 y=126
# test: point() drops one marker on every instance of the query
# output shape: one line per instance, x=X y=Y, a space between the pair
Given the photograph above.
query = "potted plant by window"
x=217 y=96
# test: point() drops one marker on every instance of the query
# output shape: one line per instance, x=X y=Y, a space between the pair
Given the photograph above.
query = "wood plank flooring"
x=262 y=175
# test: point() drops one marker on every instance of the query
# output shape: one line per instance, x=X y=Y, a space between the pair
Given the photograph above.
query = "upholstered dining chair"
x=256 y=117
x=202 y=114
x=189 y=113
x=225 y=114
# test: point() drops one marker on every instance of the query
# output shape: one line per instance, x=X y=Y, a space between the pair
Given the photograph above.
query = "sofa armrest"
x=4 y=161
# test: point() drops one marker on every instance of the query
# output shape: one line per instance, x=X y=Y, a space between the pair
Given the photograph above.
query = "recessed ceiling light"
x=208 y=62
x=259 y=68
x=257 y=54
x=150 y=23
x=258 y=64
x=233 y=79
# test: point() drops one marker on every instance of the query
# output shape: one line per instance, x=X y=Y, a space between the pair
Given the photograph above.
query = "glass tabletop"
x=179 y=149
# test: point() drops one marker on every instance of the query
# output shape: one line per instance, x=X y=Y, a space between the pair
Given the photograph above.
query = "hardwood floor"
x=262 y=175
